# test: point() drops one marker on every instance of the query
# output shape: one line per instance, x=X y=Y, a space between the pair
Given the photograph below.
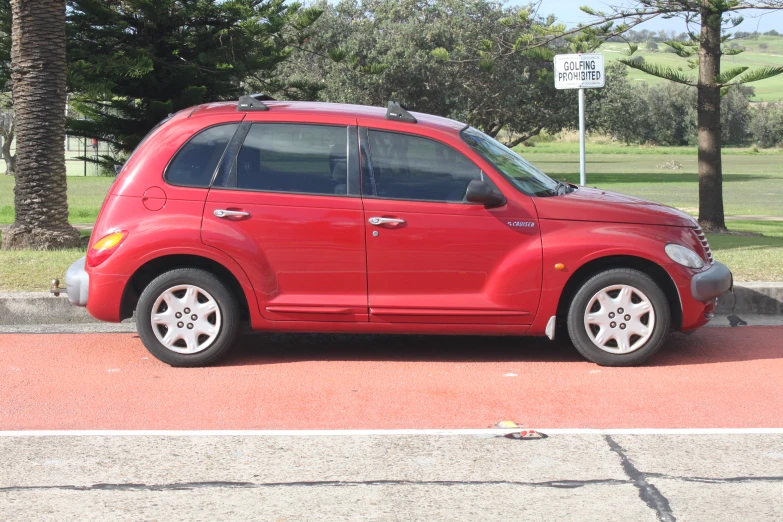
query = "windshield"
x=522 y=174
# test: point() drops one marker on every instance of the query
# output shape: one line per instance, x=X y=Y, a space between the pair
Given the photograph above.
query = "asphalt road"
x=718 y=378
x=576 y=477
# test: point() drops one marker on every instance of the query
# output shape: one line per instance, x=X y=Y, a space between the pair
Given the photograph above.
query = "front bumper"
x=77 y=283
x=712 y=283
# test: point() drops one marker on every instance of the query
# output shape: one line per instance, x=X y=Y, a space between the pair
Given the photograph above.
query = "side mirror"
x=483 y=193
x=118 y=168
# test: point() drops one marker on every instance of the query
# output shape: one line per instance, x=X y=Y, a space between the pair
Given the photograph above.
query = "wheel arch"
x=147 y=272
x=652 y=269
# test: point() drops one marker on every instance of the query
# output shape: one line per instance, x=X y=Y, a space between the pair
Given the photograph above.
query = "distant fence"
x=76 y=148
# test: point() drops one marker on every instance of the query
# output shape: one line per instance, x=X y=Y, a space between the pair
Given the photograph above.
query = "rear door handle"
x=230 y=213
x=377 y=221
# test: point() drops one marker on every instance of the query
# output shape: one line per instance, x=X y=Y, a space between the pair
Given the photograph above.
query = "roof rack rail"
x=395 y=111
x=254 y=102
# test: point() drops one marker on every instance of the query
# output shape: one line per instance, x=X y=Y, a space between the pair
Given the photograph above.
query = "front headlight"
x=684 y=256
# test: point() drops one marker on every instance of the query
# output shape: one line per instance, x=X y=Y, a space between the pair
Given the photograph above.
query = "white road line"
x=352 y=433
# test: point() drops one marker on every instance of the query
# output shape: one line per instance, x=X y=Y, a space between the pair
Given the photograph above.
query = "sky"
x=567 y=11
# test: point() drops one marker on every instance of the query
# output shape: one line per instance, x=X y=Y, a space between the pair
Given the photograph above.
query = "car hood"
x=588 y=204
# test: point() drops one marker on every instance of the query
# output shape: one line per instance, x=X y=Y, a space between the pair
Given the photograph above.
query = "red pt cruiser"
x=317 y=217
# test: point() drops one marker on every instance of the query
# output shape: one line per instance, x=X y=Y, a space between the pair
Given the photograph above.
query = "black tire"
x=227 y=305
x=577 y=330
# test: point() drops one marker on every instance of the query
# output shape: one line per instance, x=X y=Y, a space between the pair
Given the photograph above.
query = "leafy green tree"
x=703 y=52
x=132 y=62
x=664 y=114
x=735 y=115
x=608 y=108
x=766 y=125
x=443 y=57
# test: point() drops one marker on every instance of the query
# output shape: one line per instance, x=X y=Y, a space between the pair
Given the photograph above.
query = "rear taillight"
x=105 y=247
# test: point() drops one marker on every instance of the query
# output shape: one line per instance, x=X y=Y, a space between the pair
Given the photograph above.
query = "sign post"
x=582 y=158
x=580 y=71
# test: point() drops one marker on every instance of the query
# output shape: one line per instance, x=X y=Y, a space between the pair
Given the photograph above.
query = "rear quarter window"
x=195 y=162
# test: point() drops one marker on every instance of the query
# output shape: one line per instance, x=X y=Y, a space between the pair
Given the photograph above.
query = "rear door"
x=433 y=257
x=287 y=207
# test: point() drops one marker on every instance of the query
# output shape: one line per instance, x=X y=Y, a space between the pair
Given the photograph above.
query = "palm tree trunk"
x=709 y=138
x=38 y=69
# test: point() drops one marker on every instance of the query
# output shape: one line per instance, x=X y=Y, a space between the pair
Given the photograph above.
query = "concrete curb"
x=36 y=308
x=752 y=298
x=39 y=308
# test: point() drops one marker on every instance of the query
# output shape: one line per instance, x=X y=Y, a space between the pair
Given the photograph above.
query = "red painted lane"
x=719 y=377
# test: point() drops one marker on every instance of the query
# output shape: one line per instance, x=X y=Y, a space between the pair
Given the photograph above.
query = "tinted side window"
x=411 y=167
x=195 y=163
x=282 y=157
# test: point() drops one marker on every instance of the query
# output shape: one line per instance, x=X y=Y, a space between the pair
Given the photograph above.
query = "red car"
x=317 y=217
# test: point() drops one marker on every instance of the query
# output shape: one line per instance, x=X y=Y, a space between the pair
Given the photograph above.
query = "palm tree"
x=38 y=75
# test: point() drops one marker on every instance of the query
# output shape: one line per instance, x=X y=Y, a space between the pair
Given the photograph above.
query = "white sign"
x=579 y=71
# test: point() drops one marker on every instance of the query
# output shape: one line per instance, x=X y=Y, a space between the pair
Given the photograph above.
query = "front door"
x=433 y=257
x=287 y=208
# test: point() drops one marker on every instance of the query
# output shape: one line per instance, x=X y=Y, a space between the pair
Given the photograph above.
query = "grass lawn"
x=30 y=271
x=753 y=183
x=752 y=258
x=770 y=90
x=85 y=195
x=26 y=271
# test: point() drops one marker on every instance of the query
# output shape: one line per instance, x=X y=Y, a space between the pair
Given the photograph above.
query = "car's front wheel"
x=619 y=317
x=187 y=317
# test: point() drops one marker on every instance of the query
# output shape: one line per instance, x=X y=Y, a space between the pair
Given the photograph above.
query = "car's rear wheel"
x=187 y=317
x=619 y=317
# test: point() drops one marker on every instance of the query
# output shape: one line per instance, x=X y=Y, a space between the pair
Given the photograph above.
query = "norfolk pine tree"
x=703 y=51
x=132 y=62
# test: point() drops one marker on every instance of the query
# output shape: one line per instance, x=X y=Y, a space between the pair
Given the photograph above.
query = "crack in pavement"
x=647 y=492
x=710 y=480
x=562 y=484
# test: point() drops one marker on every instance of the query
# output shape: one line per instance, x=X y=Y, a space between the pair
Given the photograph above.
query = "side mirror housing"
x=483 y=193
x=118 y=168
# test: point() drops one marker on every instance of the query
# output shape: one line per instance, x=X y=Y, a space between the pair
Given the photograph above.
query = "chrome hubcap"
x=619 y=319
x=186 y=319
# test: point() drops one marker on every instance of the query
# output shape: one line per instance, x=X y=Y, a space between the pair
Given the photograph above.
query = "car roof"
x=322 y=111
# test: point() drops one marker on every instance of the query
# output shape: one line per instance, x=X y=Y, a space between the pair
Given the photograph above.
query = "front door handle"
x=230 y=213
x=377 y=221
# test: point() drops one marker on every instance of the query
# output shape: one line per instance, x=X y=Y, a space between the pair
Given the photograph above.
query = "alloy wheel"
x=186 y=319
x=619 y=319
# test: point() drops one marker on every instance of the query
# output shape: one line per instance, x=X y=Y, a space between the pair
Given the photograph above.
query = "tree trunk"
x=38 y=69
x=524 y=137
x=709 y=139
x=10 y=160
